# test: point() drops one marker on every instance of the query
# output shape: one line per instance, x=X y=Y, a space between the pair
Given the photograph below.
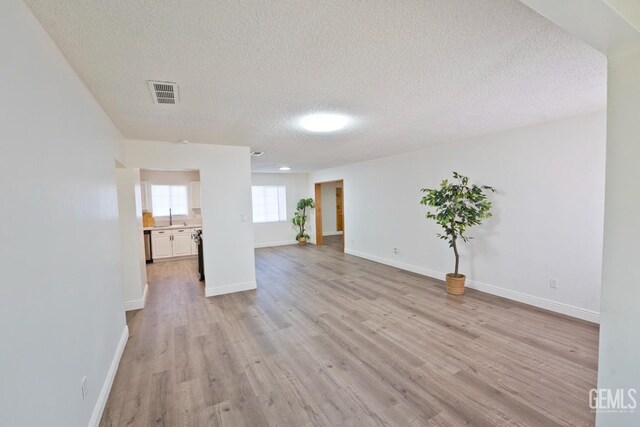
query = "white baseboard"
x=398 y=264
x=333 y=233
x=108 y=381
x=558 y=307
x=547 y=304
x=229 y=289
x=137 y=304
x=272 y=244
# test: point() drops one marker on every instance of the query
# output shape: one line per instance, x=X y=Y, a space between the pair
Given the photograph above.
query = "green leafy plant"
x=457 y=206
x=300 y=217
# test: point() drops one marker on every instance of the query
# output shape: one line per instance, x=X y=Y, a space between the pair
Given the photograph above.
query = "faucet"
x=170 y=218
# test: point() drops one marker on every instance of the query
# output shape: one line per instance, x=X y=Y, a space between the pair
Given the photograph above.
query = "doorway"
x=170 y=202
x=329 y=198
x=161 y=211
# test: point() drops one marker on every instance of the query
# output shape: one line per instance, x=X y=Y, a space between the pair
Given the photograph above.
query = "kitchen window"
x=269 y=203
x=165 y=197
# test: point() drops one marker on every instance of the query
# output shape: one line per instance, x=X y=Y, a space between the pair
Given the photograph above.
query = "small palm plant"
x=457 y=206
x=300 y=219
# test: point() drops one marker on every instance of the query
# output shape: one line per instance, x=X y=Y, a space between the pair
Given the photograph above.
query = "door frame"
x=318 y=200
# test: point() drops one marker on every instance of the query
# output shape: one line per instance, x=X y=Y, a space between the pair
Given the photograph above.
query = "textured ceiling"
x=412 y=72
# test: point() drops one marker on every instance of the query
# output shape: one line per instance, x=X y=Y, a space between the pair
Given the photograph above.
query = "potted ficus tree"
x=457 y=206
x=300 y=219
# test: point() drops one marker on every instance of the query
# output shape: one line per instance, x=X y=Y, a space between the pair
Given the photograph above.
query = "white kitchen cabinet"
x=173 y=243
x=195 y=194
x=144 y=195
x=182 y=244
x=161 y=244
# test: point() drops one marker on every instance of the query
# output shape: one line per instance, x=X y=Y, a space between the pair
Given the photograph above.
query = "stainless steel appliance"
x=148 y=254
x=197 y=237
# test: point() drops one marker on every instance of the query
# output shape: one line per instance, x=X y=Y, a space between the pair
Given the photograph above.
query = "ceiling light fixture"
x=257 y=153
x=285 y=168
x=324 y=122
x=184 y=141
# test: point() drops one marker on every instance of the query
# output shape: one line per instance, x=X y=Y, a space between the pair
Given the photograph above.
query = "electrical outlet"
x=243 y=218
x=84 y=388
x=553 y=283
x=395 y=251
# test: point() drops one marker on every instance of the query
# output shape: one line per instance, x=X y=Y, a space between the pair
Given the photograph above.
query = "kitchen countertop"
x=171 y=227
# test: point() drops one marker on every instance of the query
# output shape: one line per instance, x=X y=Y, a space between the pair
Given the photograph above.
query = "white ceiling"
x=412 y=72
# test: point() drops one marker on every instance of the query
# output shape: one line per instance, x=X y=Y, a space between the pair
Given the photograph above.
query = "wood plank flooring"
x=330 y=339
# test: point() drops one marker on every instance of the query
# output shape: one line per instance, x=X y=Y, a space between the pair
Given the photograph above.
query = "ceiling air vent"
x=164 y=92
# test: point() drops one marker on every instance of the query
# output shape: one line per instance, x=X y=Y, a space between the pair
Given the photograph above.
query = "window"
x=165 y=197
x=269 y=203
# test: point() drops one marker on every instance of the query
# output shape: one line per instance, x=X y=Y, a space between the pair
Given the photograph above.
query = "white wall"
x=548 y=214
x=619 y=334
x=225 y=177
x=61 y=309
x=329 y=217
x=284 y=232
x=169 y=177
x=134 y=268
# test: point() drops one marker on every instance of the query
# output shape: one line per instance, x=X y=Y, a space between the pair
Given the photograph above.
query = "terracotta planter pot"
x=455 y=285
x=302 y=241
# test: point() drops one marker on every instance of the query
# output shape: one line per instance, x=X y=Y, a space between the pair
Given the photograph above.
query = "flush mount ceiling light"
x=285 y=168
x=324 y=122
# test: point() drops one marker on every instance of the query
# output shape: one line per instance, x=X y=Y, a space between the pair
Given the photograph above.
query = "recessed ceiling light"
x=285 y=168
x=184 y=141
x=324 y=122
x=257 y=153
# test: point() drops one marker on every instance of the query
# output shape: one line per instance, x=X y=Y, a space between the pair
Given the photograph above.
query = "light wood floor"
x=330 y=339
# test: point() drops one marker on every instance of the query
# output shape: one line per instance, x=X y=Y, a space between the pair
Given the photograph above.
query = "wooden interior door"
x=318 y=188
x=339 y=216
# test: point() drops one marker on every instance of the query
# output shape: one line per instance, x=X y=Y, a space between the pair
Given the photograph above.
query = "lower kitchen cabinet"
x=173 y=243
x=182 y=244
x=161 y=244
